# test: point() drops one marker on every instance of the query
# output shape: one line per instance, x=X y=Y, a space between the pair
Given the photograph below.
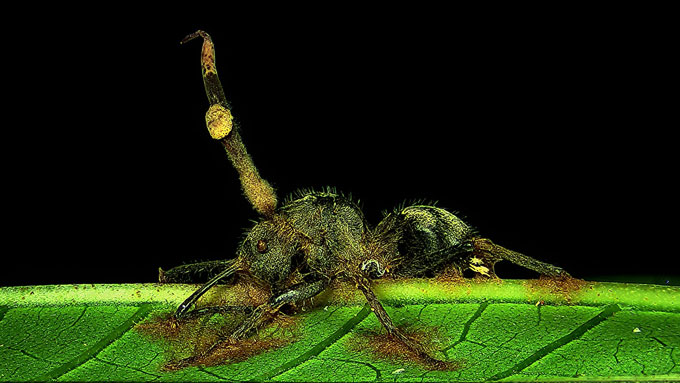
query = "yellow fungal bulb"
x=219 y=121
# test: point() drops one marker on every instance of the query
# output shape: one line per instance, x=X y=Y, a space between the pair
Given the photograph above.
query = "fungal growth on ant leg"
x=315 y=237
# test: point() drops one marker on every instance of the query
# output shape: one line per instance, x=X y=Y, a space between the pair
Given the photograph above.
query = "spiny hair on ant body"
x=296 y=250
x=325 y=190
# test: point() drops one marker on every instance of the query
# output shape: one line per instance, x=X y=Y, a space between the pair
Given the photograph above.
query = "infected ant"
x=296 y=250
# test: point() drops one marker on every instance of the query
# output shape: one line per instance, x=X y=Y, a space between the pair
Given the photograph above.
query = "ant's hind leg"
x=491 y=253
x=389 y=326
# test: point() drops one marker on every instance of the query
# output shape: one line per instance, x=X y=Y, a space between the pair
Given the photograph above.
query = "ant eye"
x=261 y=246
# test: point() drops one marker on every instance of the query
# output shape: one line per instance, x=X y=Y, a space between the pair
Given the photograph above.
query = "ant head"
x=268 y=250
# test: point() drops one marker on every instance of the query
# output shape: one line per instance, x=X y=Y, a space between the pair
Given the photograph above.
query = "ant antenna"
x=223 y=128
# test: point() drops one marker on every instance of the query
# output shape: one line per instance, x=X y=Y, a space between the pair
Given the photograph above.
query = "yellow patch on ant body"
x=481 y=270
x=476 y=265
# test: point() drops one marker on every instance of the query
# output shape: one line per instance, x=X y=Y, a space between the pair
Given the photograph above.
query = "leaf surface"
x=514 y=330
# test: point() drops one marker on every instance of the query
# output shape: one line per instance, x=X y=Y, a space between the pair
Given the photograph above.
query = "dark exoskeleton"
x=321 y=236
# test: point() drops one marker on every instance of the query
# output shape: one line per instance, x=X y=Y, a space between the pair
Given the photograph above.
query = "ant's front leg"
x=265 y=312
x=192 y=272
x=386 y=321
x=229 y=270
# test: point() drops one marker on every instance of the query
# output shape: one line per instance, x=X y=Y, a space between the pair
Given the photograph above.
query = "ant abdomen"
x=431 y=239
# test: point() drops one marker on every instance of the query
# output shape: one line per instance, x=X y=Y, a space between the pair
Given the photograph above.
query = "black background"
x=547 y=133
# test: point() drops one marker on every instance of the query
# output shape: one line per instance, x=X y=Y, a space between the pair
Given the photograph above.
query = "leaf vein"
x=30 y=355
x=319 y=347
x=605 y=314
x=203 y=370
x=65 y=328
x=466 y=327
x=91 y=352
x=123 y=366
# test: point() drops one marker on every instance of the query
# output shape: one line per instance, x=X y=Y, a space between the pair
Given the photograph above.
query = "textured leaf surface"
x=494 y=331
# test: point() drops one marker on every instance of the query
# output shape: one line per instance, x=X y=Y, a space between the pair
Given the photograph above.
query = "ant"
x=296 y=250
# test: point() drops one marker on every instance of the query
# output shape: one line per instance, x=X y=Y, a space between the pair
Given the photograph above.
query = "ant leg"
x=266 y=312
x=192 y=272
x=389 y=326
x=492 y=253
x=184 y=307
x=261 y=315
x=218 y=310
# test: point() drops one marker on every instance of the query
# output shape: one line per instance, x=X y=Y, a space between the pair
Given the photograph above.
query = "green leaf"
x=509 y=330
